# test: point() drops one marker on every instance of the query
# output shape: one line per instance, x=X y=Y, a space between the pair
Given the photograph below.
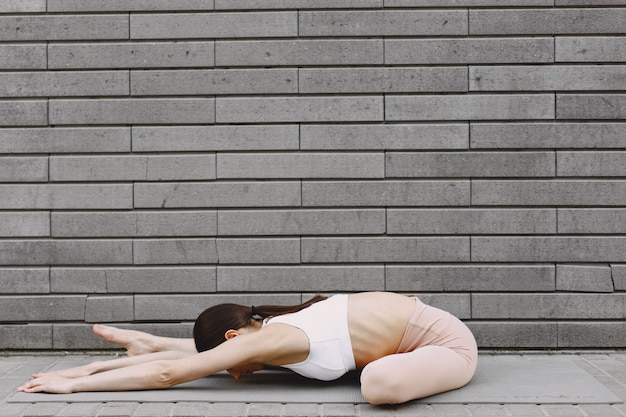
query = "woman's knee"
x=378 y=387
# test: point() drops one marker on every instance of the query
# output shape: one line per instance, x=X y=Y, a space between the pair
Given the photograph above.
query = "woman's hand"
x=53 y=384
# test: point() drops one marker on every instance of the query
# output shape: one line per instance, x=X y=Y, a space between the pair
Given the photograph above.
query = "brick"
x=301 y=165
x=80 y=409
x=133 y=280
x=385 y=249
x=387 y=136
x=339 y=410
x=42 y=308
x=78 y=280
x=189 y=82
x=548 y=306
x=23 y=6
x=385 y=193
x=524 y=410
x=44 y=409
x=548 y=192
x=25 y=336
x=264 y=409
x=588 y=2
x=301 y=222
x=134 y=224
x=466 y=3
x=58 y=252
x=63 y=27
x=590 y=49
x=299 y=52
x=448 y=410
x=127 y=5
x=469 y=51
x=23 y=113
x=603 y=335
x=600 y=410
x=470 y=278
x=153 y=410
x=228 y=409
x=299 y=109
x=66 y=196
x=215 y=138
x=117 y=409
x=130 y=111
x=591 y=164
x=180 y=167
x=247 y=251
x=188 y=307
x=301 y=278
x=100 y=309
x=618 y=273
x=469 y=164
x=217 y=194
x=132 y=168
x=591 y=106
x=24 y=280
x=469 y=107
x=596 y=220
x=189 y=409
x=162 y=280
x=547 y=135
x=24 y=224
x=540 y=78
x=23 y=169
x=302 y=410
x=546 y=21
x=174 y=251
x=214 y=25
x=296 y=4
x=131 y=55
x=548 y=249
x=43 y=84
x=514 y=334
x=383 y=80
x=471 y=221
x=584 y=278
x=22 y=56
x=383 y=23
x=65 y=140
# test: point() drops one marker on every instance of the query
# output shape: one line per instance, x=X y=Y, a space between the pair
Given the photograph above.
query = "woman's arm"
x=107 y=365
x=258 y=347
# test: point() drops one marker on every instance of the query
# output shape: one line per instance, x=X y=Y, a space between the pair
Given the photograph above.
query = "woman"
x=407 y=350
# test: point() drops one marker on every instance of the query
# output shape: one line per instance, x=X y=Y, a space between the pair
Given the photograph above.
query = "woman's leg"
x=407 y=376
x=139 y=343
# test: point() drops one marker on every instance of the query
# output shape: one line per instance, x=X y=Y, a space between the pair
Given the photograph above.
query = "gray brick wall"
x=161 y=156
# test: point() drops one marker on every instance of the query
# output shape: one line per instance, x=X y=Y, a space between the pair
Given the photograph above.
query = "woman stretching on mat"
x=407 y=350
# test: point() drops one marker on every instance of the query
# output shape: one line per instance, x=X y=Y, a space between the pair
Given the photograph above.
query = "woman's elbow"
x=165 y=374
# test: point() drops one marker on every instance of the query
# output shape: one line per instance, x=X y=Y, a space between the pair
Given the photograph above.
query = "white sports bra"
x=326 y=325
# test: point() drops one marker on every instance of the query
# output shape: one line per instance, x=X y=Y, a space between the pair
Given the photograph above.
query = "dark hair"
x=212 y=324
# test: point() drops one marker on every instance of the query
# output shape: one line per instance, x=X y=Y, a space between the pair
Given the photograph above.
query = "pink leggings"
x=437 y=353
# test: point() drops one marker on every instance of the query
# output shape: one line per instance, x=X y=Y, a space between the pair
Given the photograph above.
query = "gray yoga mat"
x=498 y=380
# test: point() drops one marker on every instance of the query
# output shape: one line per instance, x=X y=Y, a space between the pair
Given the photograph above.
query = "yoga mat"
x=498 y=380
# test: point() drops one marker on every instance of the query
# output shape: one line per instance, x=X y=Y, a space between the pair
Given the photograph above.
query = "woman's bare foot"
x=135 y=342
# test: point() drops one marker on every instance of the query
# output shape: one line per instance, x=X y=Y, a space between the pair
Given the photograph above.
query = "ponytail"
x=212 y=324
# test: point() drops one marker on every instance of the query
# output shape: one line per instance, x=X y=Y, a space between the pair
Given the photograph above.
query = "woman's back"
x=376 y=322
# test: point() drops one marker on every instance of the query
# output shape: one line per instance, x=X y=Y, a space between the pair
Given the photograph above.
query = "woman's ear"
x=231 y=333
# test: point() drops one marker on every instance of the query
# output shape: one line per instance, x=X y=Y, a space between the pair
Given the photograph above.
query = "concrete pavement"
x=608 y=367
